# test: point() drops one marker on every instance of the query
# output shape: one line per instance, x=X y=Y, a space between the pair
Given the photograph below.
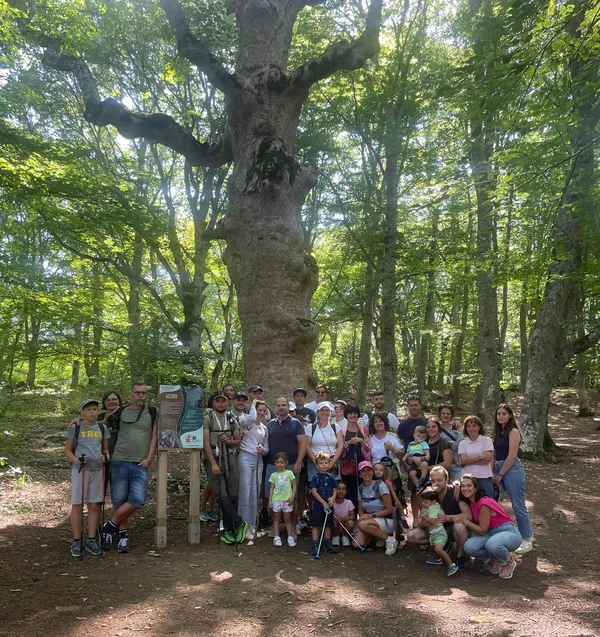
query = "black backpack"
x=78 y=429
x=114 y=424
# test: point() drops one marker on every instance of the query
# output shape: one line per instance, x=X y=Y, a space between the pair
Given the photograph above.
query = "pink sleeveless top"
x=498 y=515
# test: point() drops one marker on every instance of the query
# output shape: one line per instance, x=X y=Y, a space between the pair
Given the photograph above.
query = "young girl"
x=382 y=472
x=437 y=533
x=282 y=496
x=345 y=513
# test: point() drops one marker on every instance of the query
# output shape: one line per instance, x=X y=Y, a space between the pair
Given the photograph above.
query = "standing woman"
x=324 y=436
x=476 y=452
x=253 y=446
x=111 y=401
x=509 y=472
x=494 y=535
x=440 y=452
x=453 y=435
x=357 y=447
x=383 y=441
x=340 y=418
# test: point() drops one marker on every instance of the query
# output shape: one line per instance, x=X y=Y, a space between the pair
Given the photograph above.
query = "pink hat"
x=365 y=464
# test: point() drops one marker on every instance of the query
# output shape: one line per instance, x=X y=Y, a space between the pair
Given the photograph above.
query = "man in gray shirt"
x=136 y=431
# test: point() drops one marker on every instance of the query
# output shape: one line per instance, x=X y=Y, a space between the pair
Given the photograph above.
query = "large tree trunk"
x=549 y=349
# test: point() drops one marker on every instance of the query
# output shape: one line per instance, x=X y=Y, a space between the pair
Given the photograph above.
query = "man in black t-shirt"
x=305 y=415
x=457 y=531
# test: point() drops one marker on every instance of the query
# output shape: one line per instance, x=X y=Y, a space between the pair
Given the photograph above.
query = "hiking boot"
x=329 y=547
x=494 y=566
x=123 y=545
x=92 y=547
x=227 y=537
x=461 y=562
x=506 y=572
x=277 y=541
x=391 y=544
x=453 y=568
x=106 y=536
x=205 y=516
x=336 y=541
x=76 y=548
x=240 y=534
x=345 y=541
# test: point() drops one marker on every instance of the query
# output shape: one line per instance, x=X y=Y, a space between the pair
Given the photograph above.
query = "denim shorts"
x=128 y=483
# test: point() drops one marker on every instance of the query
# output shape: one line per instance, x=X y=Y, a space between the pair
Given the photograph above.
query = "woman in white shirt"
x=475 y=452
x=383 y=441
x=323 y=435
x=253 y=446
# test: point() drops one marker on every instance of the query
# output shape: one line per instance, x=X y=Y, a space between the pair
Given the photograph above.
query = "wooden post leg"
x=194 y=509
x=160 y=532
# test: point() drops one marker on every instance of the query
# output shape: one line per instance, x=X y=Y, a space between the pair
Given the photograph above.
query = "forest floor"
x=263 y=591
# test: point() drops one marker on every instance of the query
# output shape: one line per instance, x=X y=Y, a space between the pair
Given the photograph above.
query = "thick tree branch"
x=196 y=51
x=343 y=55
x=580 y=345
x=156 y=128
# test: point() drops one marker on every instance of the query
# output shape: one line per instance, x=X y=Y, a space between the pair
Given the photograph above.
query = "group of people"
x=325 y=465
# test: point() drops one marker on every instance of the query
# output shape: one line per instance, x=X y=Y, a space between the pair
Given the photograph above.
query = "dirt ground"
x=264 y=591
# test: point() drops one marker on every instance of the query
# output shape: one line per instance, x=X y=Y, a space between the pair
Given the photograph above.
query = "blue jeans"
x=250 y=479
x=488 y=486
x=497 y=542
x=128 y=483
x=514 y=484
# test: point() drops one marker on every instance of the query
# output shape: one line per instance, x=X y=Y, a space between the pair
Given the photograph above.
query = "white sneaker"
x=526 y=546
x=250 y=533
x=335 y=540
x=391 y=544
x=277 y=541
x=345 y=541
x=299 y=528
x=291 y=542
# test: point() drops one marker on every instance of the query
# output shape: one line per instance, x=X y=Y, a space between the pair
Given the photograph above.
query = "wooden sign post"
x=179 y=427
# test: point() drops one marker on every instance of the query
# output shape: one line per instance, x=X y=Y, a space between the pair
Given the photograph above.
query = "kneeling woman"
x=494 y=535
x=375 y=511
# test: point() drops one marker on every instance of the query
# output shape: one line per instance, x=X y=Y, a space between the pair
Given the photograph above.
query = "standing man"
x=451 y=508
x=238 y=408
x=320 y=396
x=378 y=403
x=229 y=391
x=256 y=393
x=221 y=441
x=134 y=434
x=304 y=414
x=286 y=434
x=406 y=432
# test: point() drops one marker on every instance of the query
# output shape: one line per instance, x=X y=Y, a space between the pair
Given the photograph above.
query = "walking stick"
x=362 y=548
x=82 y=472
x=104 y=466
x=257 y=496
x=318 y=555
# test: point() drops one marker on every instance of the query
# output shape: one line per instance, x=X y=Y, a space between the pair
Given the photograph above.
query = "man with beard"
x=378 y=404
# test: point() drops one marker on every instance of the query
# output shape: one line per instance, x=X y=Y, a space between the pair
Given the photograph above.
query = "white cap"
x=325 y=403
x=292 y=406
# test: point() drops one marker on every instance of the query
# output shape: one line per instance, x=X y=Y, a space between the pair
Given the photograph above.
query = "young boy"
x=416 y=458
x=437 y=533
x=85 y=454
x=324 y=490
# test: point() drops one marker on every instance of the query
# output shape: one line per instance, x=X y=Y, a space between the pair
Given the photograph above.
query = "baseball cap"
x=220 y=394
x=365 y=464
x=300 y=390
x=241 y=394
x=292 y=406
x=325 y=403
x=88 y=401
x=255 y=388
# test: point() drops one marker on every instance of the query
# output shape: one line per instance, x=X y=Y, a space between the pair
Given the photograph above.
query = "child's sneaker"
x=76 y=548
x=315 y=549
x=123 y=546
x=93 y=547
x=277 y=541
x=336 y=540
x=452 y=569
x=345 y=541
x=329 y=547
x=291 y=542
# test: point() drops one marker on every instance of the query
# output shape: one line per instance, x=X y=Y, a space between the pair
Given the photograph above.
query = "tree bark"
x=549 y=349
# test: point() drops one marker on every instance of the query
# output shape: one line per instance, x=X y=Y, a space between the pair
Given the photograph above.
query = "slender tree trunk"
x=441 y=369
x=134 y=332
x=366 y=334
x=33 y=348
x=549 y=349
x=523 y=334
x=75 y=367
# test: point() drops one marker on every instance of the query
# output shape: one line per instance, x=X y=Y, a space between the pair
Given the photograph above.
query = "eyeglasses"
x=339 y=407
x=140 y=393
x=321 y=392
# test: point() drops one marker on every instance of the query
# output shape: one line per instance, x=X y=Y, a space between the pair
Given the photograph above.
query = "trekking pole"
x=82 y=472
x=318 y=555
x=257 y=496
x=362 y=548
x=104 y=467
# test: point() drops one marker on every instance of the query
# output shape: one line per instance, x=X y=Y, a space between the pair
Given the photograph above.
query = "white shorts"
x=386 y=524
x=282 y=505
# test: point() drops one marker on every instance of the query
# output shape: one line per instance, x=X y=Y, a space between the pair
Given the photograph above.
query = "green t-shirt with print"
x=283 y=485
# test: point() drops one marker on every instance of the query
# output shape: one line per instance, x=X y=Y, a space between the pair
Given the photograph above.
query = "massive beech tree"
x=275 y=277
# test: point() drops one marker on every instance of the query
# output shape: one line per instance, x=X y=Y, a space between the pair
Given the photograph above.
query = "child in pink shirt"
x=344 y=512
